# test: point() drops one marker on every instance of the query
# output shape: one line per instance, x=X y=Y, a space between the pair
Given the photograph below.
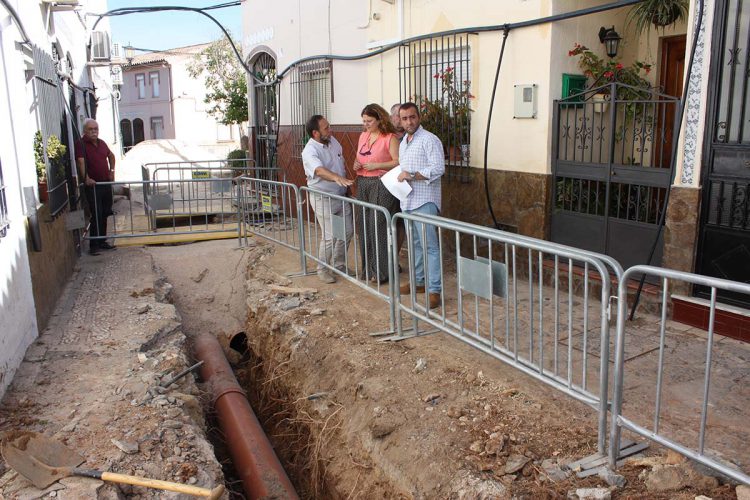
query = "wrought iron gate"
x=724 y=247
x=611 y=170
x=266 y=106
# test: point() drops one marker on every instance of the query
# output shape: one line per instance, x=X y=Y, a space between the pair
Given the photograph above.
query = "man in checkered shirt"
x=423 y=164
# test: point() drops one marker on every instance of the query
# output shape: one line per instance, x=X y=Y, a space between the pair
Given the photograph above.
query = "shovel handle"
x=158 y=484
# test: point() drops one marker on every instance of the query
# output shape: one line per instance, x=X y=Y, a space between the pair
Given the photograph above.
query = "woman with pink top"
x=377 y=152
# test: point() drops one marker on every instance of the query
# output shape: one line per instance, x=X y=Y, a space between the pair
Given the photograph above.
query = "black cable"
x=134 y=10
x=470 y=30
x=489 y=124
x=673 y=162
x=17 y=19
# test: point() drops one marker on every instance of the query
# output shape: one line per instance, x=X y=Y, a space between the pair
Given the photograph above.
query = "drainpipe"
x=261 y=473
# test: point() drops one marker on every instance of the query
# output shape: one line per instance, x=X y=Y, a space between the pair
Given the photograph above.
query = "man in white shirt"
x=422 y=165
x=325 y=171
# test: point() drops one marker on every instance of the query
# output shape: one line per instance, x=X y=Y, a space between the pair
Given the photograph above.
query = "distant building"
x=54 y=73
x=160 y=100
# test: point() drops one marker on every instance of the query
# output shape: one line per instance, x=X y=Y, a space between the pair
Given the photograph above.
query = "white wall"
x=18 y=326
x=18 y=121
x=192 y=122
x=297 y=28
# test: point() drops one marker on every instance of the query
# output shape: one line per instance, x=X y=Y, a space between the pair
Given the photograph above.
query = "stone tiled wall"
x=681 y=231
x=520 y=201
x=52 y=267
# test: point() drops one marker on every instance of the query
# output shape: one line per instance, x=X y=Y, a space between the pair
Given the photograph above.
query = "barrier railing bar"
x=662 y=339
x=586 y=323
x=707 y=380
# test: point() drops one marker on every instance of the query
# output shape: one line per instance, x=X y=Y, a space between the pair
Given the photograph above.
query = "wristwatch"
x=413 y=175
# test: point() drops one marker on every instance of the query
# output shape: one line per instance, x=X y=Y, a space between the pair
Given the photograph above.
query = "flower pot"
x=454 y=155
x=668 y=19
x=43 y=195
x=600 y=103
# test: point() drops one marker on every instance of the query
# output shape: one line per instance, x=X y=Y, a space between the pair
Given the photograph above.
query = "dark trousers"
x=99 y=199
x=372 y=227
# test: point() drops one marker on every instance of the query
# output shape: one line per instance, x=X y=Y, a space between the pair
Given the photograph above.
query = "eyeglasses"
x=365 y=153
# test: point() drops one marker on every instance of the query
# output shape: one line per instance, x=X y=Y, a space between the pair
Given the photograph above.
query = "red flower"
x=436 y=76
x=618 y=66
x=608 y=74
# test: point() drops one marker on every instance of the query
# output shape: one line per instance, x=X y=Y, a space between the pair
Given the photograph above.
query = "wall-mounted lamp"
x=129 y=53
x=610 y=39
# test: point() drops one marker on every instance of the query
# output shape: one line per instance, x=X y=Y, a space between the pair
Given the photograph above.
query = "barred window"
x=312 y=94
x=436 y=75
x=53 y=145
x=4 y=222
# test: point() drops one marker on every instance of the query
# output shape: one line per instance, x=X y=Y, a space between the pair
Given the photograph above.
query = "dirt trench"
x=351 y=417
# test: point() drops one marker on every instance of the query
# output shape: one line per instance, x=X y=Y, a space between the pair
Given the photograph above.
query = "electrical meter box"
x=524 y=102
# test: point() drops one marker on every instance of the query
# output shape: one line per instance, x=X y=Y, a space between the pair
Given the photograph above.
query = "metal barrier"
x=333 y=223
x=203 y=169
x=505 y=326
x=655 y=434
x=270 y=209
x=169 y=207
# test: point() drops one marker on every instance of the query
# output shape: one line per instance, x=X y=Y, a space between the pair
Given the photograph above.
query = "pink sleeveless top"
x=379 y=152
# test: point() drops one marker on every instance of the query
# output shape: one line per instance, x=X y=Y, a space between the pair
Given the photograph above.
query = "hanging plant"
x=660 y=13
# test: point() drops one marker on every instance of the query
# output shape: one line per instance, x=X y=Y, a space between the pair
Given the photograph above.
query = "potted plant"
x=41 y=166
x=660 y=13
x=447 y=115
x=55 y=152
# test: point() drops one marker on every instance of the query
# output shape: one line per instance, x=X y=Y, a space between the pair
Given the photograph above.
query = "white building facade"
x=49 y=83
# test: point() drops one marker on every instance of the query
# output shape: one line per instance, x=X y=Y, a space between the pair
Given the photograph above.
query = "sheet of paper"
x=398 y=189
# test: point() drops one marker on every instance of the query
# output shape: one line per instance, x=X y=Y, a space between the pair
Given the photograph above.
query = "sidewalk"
x=85 y=382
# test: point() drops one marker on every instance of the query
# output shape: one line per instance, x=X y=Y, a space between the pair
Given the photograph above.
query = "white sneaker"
x=326 y=277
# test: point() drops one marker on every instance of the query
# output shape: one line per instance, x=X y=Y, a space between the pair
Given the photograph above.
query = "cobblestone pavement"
x=90 y=381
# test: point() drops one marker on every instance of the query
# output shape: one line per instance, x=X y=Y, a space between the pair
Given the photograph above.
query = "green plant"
x=661 y=13
x=603 y=71
x=41 y=165
x=237 y=154
x=55 y=154
x=447 y=115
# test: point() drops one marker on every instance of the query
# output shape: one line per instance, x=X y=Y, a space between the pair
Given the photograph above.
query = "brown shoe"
x=406 y=288
x=434 y=300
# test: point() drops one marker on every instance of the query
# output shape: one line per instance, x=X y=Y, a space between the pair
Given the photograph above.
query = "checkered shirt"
x=423 y=155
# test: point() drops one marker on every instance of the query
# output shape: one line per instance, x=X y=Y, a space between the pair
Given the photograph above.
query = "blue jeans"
x=433 y=251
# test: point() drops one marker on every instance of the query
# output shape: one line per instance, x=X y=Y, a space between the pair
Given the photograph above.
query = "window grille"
x=4 y=221
x=312 y=94
x=436 y=75
x=51 y=117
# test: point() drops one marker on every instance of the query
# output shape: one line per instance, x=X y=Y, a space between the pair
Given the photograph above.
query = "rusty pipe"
x=254 y=459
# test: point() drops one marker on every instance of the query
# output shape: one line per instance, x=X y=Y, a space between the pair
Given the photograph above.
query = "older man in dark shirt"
x=96 y=164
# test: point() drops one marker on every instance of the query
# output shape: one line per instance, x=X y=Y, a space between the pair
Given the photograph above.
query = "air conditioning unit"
x=116 y=72
x=100 y=46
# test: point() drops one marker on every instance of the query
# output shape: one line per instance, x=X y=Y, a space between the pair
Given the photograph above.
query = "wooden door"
x=671 y=81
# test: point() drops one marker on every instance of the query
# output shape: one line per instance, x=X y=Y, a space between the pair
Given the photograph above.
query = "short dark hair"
x=409 y=105
x=313 y=124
